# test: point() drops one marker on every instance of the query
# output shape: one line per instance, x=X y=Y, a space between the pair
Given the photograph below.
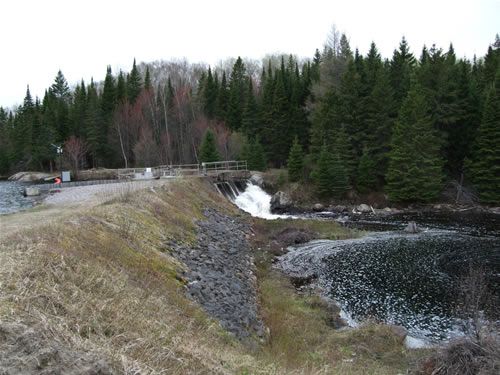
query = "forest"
x=406 y=126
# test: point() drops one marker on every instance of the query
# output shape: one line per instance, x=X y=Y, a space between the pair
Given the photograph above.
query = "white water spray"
x=257 y=203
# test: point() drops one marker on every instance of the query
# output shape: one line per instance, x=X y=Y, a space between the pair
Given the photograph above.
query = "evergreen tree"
x=367 y=179
x=96 y=138
x=401 y=67
x=251 y=122
x=209 y=95
x=121 y=88
x=147 y=79
x=485 y=165
x=295 y=162
x=78 y=110
x=323 y=173
x=257 y=160
x=134 y=84
x=340 y=181
x=415 y=164
x=208 y=149
x=222 y=99
x=237 y=95
x=59 y=105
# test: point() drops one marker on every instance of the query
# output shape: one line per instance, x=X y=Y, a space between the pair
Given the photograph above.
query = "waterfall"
x=248 y=197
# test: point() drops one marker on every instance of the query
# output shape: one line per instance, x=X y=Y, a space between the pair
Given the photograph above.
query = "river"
x=396 y=277
x=12 y=197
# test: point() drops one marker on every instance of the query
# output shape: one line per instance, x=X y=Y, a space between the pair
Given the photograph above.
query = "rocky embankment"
x=220 y=273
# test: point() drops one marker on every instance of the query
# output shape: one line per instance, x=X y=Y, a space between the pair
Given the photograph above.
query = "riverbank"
x=124 y=281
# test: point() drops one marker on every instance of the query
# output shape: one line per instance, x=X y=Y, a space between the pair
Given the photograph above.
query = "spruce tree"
x=323 y=173
x=367 y=180
x=250 y=121
x=257 y=157
x=339 y=178
x=295 y=162
x=147 y=79
x=209 y=95
x=121 y=88
x=237 y=95
x=222 y=99
x=485 y=165
x=208 y=149
x=415 y=164
x=134 y=84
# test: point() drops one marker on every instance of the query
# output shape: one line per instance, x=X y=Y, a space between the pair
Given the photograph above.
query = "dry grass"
x=102 y=280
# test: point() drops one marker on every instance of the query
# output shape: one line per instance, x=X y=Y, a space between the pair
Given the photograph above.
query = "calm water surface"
x=12 y=198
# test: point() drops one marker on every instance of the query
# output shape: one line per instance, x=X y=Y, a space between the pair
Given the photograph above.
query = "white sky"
x=39 y=37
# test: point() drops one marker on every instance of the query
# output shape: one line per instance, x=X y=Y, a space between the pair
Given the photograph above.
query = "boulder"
x=400 y=332
x=28 y=176
x=413 y=228
x=318 y=207
x=257 y=179
x=364 y=208
x=280 y=202
x=31 y=191
x=340 y=208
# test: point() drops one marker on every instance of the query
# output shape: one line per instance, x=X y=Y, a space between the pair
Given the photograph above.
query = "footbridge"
x=217 y=171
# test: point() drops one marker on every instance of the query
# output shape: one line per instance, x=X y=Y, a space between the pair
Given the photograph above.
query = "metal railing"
x=179 y=170
x=217 y=166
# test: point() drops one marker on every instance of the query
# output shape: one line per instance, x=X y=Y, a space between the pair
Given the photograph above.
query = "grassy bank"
x=102 y=280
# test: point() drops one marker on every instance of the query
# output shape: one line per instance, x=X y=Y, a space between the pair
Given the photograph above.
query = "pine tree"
x=257 y=157
x=251 y=122
x=295 y=162
x=209 y=95
x=222 y=99
x=323 y=173
x=367 y=180
x=134 y=84
x=415 y=164
x=340 y=181
x=237 y=95
x=208 y=149
x=147 y=79
x=121 y=88
x=485 y=165
x=401 y=67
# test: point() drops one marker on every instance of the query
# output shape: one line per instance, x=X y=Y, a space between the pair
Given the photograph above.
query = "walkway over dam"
x=219 y=171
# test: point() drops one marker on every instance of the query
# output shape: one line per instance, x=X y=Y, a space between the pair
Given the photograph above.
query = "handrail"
x=174 y=170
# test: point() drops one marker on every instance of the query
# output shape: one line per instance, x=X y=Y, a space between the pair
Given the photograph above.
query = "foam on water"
x=257 y=203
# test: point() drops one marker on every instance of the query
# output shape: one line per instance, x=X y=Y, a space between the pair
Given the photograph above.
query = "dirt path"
x=66 y=202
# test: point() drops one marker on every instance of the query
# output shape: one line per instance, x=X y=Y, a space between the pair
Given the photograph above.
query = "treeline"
x=339 y=120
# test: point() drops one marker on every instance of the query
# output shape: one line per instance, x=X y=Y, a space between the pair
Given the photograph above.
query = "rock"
x=400 y=332
x=413 y=228
x=340 y=208
x=318 y=207
x=31 y=191
x=257 y=179
x=294 y=236
x=364 y=208
x=280 y=202
x=28 y=176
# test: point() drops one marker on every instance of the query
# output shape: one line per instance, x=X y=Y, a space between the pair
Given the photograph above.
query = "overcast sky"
x=82 y=37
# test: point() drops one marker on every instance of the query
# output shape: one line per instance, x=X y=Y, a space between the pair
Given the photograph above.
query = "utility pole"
x=59 y=151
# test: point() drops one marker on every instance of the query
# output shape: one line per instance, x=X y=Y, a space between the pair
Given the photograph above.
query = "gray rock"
x=280 y=202
x=257 y=179
x=318 y=207
x=28 y=176
x=400 y=332
x=413 y=228
x=364 y=208
x=31 y=191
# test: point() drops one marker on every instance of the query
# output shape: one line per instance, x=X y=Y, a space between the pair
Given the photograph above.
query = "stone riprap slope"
x=220 y=273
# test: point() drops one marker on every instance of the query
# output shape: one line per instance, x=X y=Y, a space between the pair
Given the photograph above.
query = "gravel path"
x=100 y=193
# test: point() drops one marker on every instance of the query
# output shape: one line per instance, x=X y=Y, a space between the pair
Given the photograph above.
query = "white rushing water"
x=257 y=203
